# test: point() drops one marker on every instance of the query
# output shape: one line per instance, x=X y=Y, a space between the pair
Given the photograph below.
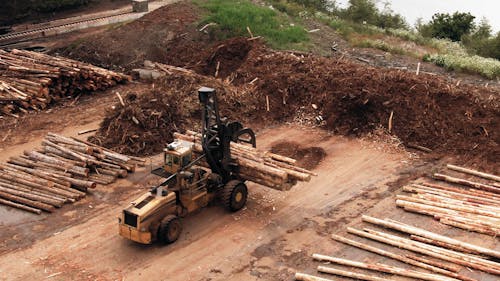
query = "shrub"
x=448 y=26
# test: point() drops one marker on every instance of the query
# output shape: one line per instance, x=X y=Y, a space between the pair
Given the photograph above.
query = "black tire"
x=170 y=229
x=234 y=195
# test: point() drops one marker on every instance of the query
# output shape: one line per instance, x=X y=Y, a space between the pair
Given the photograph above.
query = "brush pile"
x=472 y=209
x=33 y=80
x=265 y=168
x=60 y=172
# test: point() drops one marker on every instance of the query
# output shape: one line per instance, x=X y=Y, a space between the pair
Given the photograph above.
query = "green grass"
x=233 y=18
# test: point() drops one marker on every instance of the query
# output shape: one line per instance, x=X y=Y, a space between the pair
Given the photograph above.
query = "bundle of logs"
x=31 y=80
x=451 y=253
x=476 y=208
x=265 y=168
x=60 y=172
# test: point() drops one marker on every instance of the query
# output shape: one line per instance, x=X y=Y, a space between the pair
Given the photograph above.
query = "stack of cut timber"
x=476 y=208
x=265 y=168
x=31 y=80
x=452 y=254
x=59 y=173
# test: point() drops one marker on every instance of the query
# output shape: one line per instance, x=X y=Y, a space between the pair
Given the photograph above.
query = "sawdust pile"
x=351 y=98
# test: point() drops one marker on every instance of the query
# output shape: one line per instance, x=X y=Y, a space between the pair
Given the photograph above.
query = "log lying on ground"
x=32 y=80
x=473 y=172
x=20 y=206
x=354 y=275
x=306 y=277
x=384 y=268
x=436 y=252
x=265 y=168
x=406 y=259
x=430 y=235
x=472 y=210
x=477 y=185
x=61 y=172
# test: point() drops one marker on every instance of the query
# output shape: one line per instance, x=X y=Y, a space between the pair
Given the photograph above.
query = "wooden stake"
x=390 y=121
x=250 y=32
x=267 y=103
x=120 y=99
x=418 y=68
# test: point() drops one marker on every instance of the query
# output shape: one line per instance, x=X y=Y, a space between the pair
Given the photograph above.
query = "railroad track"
x=64 y=27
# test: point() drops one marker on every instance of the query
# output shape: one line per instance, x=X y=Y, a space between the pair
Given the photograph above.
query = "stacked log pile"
x=265 y=168
x=31 y=80
x=60 y=172
x=452 y=254
x=474 y=208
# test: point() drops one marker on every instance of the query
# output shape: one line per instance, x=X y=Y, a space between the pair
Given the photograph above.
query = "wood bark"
x=27 y=202
x=20 y=206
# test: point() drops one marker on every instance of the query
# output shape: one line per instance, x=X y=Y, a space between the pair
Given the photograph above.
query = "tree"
x=362 y=11
x=449 y=26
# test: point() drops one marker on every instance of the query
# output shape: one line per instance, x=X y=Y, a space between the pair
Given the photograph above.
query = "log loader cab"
x=189 y=186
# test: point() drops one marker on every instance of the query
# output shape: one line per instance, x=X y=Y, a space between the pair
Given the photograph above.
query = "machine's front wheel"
x=170 y=229
x=234 y=195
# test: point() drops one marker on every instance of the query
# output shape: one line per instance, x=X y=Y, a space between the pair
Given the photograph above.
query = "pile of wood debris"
x=32 y=80
x=60 y=172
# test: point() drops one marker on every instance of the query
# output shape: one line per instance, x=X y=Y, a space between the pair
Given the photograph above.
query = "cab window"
x=186 y=159
x=168 y=159
x=176 y=160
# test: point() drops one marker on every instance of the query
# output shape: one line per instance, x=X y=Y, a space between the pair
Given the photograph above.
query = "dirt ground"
x=277 y=232
x=270 y=239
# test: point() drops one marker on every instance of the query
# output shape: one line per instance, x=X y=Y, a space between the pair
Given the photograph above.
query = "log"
x=20 y=206
x=307 y=277
x=450 y=253
x=439 y=268
x=450 y=205
x=79 y=184
x=473 y=172
x=27 y=202
x=403 y=244
x=477 y=185
x=443 y=245
x=451 y=194
x=445 y=216
x=384 y=268
x=29 y=190
x=42 y=199
x=449 y=267
x=349 y=274
x=473 y=192
x=427 y=234
x=280 y=158
x=39 y=174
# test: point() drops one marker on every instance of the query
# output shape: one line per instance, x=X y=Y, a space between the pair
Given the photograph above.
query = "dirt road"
x=267 y=240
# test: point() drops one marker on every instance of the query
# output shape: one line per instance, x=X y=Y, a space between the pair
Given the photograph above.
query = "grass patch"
x=233 y=18
x=380 y=45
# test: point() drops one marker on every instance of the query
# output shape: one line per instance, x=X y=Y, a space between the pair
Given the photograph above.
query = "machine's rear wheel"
x=234 y=195
x=170 y=229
